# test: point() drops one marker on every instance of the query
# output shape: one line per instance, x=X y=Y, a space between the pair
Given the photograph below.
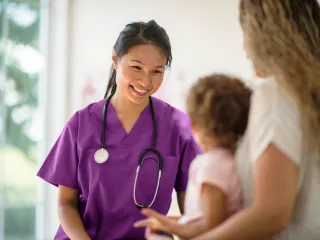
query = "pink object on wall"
x=89 y=92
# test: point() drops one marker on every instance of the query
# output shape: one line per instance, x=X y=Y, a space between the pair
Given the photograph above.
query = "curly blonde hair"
x=219 y=105
x=283 y=39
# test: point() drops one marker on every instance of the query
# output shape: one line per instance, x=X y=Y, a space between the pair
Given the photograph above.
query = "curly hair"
x=219 y=105
x=283 y=39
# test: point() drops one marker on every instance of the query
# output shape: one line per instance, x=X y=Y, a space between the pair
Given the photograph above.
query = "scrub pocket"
x=148 y=176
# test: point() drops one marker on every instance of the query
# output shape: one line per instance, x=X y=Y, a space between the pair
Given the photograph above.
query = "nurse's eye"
x=157 y=72
x=136 y=67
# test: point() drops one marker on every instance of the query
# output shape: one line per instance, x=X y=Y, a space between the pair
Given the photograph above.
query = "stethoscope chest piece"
x=101 y=155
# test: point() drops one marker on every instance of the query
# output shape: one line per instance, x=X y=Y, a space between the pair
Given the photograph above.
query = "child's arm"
x=213 y=206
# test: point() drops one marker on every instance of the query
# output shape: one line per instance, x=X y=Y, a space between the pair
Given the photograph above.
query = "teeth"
x=140 y=90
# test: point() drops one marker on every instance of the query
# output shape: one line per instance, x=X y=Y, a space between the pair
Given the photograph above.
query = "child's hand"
x=156 y=221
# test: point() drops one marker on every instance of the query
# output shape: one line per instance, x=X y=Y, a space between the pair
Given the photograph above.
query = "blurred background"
x=54 y=59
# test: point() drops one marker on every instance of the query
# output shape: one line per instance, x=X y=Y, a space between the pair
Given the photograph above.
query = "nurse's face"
x=140 y=72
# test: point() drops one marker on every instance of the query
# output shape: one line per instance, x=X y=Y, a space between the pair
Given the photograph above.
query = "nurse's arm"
x=275 y=178
x=180 y=197
x=68 y=214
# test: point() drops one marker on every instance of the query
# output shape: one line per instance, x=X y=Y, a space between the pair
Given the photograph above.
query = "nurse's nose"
x=145 y=81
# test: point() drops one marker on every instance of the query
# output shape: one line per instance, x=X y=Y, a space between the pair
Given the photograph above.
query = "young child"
x=218 y=106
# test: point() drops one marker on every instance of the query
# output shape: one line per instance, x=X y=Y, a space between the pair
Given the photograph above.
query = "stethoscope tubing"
x=142 y=156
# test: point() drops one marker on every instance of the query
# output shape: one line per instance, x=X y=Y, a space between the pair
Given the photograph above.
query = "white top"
x=218 y=168
x=275 y=118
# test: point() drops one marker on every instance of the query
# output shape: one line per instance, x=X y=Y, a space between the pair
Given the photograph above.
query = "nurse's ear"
x=114 y=59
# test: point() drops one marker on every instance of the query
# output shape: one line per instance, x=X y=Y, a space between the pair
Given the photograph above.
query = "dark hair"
x=219 y=105
x=137 y=33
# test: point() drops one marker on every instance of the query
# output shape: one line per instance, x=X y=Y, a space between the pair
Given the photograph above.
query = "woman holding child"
x=278 y=157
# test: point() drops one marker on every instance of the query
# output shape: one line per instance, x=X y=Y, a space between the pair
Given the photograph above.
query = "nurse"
x=101 y=193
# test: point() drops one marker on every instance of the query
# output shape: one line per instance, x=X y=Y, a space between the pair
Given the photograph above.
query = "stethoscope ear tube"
x=153 y=150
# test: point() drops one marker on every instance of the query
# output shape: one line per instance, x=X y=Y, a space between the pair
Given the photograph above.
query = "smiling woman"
x=99 y=200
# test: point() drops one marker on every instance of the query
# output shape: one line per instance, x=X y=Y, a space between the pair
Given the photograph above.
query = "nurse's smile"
x=139 y=92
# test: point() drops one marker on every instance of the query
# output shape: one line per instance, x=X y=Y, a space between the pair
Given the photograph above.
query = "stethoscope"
x=102 y=155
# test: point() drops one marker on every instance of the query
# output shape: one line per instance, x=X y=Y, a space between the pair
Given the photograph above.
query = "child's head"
x=218 y=106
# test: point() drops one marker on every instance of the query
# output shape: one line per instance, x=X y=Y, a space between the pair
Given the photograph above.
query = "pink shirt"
x=218 y=168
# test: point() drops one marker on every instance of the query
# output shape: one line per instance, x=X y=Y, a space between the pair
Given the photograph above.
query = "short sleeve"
x=61 y=165
x=216 y=170
x=189 y=151
x=274 y=118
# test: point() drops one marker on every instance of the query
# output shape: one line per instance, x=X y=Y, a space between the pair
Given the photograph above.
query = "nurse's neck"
x=127 y=111
x=124 y=106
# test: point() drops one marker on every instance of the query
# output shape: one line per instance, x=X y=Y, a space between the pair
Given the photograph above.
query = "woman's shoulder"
x=264 y=91
x=172 y=116
x=274 y=117
x=80 y=118
x=270 y=93
x=92 y=110
x=272 y=102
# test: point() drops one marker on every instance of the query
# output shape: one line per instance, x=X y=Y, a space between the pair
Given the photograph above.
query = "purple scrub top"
x=106 y=203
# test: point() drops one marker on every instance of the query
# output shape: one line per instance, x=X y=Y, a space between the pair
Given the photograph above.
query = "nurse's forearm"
x=71 y=222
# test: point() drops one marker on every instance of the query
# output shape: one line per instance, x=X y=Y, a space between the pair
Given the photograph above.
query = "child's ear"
x=194 y=128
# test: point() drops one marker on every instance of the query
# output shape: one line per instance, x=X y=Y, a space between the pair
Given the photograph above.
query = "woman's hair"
x=219 y=106
x=137 y=33
x=283 y=39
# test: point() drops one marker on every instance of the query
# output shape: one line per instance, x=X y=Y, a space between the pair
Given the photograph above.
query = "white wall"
x=205 y=37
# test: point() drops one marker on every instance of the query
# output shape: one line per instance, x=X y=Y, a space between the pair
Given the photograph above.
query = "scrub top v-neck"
x=106 y=201
x=143 y=123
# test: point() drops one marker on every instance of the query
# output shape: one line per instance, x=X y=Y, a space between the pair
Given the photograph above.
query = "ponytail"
x=112 y=85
